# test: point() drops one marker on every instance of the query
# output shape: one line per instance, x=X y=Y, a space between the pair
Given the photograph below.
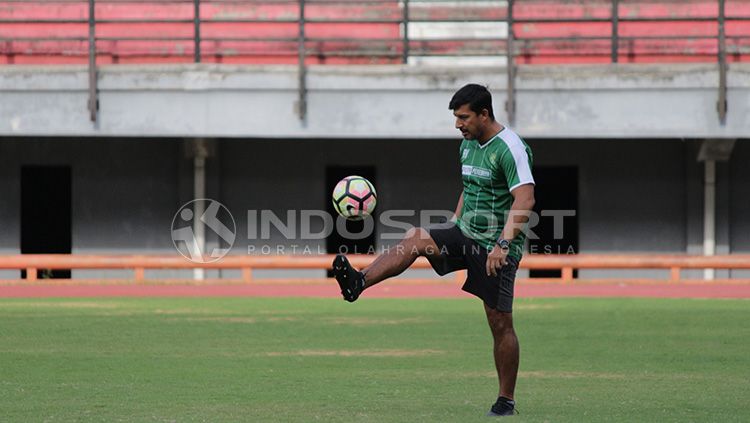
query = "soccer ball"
x=354 y=197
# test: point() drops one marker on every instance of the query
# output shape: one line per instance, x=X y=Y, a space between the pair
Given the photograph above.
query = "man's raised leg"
x=417 y=242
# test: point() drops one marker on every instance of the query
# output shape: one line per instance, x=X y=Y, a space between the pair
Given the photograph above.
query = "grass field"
x=378 y=360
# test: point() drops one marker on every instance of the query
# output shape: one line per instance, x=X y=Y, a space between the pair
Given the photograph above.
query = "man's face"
x=469 y=123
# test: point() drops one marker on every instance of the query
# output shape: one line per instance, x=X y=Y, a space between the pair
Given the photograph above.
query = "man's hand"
x=496 y=259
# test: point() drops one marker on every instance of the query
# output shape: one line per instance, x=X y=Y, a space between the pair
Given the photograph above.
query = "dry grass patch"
x=354 y=353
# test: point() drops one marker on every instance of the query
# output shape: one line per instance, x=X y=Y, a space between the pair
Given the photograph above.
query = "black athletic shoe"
x=503 y=407
x=351 y=282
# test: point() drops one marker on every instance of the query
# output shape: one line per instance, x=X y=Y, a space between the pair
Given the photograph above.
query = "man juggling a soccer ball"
x=486 y=236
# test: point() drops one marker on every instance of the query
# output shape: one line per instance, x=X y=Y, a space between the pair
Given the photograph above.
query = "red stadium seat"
x=266 y=33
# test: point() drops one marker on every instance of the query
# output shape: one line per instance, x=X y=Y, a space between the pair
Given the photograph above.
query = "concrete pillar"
x=199 y=151
x=709 y=214
x=713 y=151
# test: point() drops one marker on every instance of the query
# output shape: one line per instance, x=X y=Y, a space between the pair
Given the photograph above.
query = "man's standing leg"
x=506 y=351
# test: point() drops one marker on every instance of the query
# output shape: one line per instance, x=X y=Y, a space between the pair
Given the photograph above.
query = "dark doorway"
x=335 y=242
x=46 y=214
x=556 y=192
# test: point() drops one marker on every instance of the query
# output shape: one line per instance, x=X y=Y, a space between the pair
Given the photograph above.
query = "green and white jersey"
x=490 y=172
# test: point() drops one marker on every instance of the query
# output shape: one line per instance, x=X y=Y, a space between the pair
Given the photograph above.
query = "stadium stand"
x=371 y=31
x=46 y=127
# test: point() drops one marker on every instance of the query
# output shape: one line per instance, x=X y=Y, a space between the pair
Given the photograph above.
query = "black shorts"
x=456 y=251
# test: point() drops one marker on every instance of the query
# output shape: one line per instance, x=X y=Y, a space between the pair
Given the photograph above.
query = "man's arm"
x=459 y=207
x=523 y=203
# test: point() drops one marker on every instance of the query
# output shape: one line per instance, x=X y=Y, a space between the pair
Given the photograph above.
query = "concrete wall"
x=283 y=175
x=626 y=187
x=124 y=193
x=740 y=198
x=739 y=193
x=391 y=102
x=291 y=174
x=634 y=196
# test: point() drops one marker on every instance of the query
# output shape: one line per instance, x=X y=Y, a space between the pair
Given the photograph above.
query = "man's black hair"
x=476 y=96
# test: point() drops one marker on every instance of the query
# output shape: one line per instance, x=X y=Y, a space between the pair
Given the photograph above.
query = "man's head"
x=472 y=106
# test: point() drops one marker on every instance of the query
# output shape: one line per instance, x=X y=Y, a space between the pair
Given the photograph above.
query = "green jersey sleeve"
x=515 y=163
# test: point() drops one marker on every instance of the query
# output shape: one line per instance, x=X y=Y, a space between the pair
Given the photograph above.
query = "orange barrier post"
x=247 y=274
x=567 y=274
x=140 y=274
x=31 y=274
x=674 y=274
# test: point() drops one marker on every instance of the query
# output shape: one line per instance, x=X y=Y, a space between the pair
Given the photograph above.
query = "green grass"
x=378 y=360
